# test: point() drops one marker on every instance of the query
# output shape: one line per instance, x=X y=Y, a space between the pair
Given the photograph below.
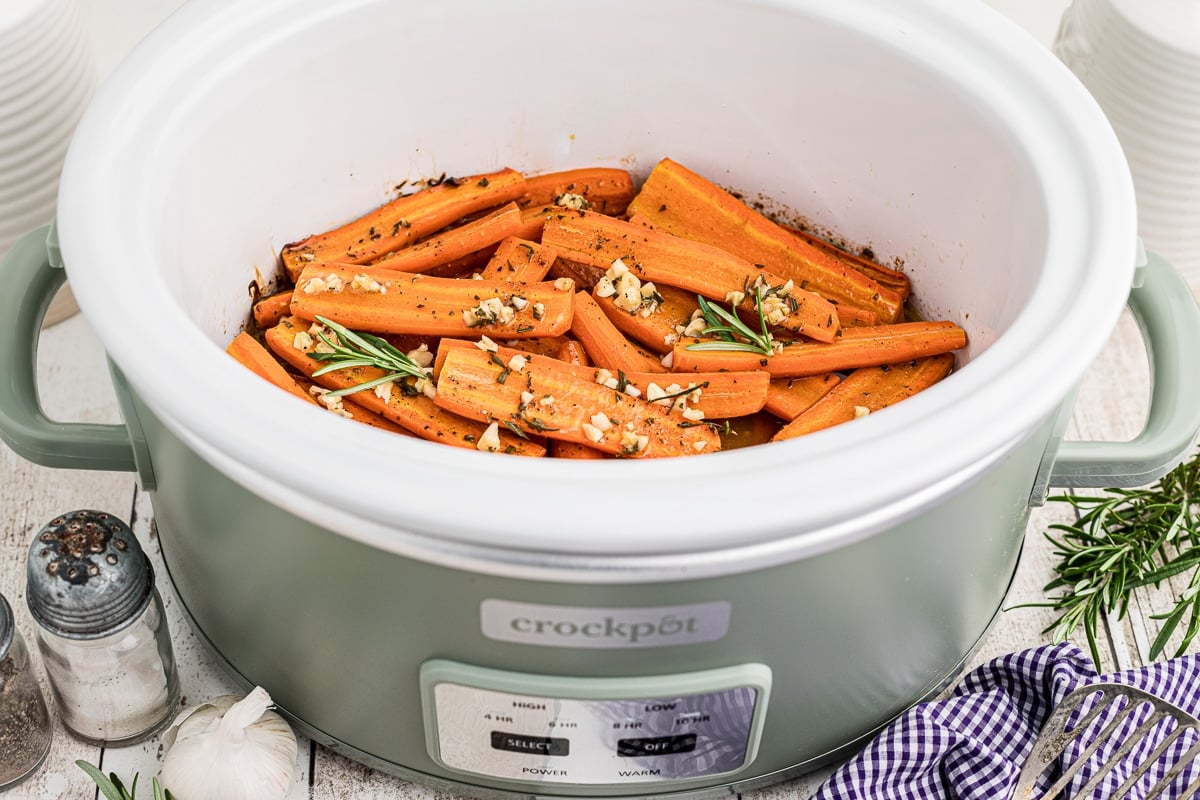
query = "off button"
x=538 y=745
x=657 y=746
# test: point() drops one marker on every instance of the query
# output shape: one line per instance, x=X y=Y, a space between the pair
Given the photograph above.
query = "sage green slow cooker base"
x=337 y=631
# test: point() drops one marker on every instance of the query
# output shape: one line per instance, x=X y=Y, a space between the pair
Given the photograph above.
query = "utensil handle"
x=30 y=282
x=1169 y=318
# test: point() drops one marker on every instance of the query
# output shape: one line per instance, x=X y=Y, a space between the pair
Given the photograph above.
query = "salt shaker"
x=102 y=631
x=24 y=721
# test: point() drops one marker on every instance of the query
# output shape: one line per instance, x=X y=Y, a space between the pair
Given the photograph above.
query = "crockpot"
x=522 y=626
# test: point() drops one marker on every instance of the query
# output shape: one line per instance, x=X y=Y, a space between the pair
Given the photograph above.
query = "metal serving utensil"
x=1054 y=740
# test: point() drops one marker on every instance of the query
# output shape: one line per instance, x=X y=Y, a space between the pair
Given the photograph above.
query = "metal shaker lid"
x=87 y=576
x=7 y=626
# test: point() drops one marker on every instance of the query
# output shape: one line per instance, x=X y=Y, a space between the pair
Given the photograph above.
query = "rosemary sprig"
x=113 y=789
x=358 y=349
x=732 y=333
x=1124 y=540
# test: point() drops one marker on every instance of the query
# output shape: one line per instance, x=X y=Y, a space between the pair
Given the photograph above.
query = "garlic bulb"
x=229 y=749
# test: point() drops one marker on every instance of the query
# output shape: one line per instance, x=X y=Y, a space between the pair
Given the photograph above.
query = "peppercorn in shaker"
x=24 y=721
x=102 y=631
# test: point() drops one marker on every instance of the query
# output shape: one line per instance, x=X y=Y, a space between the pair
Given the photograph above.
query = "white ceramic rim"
x=999 y=398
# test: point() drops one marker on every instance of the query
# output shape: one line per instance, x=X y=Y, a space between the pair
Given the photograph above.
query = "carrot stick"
x=697 y=267
x=572 y=352
x=268 y=311
x=542 y=397
x=857 y=347
x=561 y=449
x=454 y=243
x=519 y=260
x=606 y=345
x=384 y=301
x=607 y=190
x=866 y=391
x=417 y=413
x=356 y=411
x=404 y=220
x=658 y=330
x=788 y=398
x=893 y=279
x=465 y=266
x=851 y=317
x=677 y=200
x=246 y=349
x=721 y=395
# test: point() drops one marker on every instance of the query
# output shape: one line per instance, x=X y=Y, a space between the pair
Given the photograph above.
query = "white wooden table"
x=75 y=386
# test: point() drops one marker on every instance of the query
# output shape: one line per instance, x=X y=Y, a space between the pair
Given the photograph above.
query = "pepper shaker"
x=102 y=631
x=25 y=728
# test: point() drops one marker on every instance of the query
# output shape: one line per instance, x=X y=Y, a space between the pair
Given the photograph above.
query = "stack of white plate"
x=1141 y=61
x=47 y=76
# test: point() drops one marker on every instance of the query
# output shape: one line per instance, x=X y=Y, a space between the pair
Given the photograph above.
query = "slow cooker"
x=505 y=626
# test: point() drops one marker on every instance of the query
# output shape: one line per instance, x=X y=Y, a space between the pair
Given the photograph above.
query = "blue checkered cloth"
x=972 y=745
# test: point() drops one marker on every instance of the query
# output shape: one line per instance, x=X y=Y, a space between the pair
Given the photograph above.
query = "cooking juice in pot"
x=578 y=316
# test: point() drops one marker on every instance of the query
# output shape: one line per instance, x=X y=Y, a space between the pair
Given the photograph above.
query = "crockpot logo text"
x=575 y=626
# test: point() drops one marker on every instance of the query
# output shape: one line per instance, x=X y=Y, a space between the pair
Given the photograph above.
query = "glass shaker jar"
x=102 y=631
x=25 y=727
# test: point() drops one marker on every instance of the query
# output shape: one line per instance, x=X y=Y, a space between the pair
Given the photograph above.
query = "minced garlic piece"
x=426 y=387
x=314 y=286
x=487 y=345
x=668 y=360
x=601 y=421
x=489 y=440
x=632 y=390
x=633 y=443
x=699 y=445
x=302 y=341
x=605 y=287
x=384 y=391
x=693 y=414
x=539 y=310
x=861 y=411
x=575 y=202
x=562 y=285
x=333 y=404
x=421 y=356
x=735 y=298
x=526 y=398
x=603 y=376
x=593 y=433
x=365 y=283
x=517 y=363
x=548 y=400
x=518 y=302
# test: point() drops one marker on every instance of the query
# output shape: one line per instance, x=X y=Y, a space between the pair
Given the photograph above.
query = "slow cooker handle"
x=1167 y=313
x=30 y=283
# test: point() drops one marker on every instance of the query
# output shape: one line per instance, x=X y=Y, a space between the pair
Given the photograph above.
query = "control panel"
x=593 y=731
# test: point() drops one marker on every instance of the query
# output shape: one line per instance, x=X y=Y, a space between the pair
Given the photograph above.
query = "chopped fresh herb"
x=358 y=349
x=515 y=428
x=731 y=332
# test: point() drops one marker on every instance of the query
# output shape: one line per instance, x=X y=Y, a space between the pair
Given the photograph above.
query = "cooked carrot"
x=416 y=413
x=697 y=267
x=356 y=411
x=396 y=302
x=268 y=311
x=856 y=347
x=465 y=266
x=893 y=279
x=748 y=431
x=851 y=317
x=658 y=330
x=866 y=391
x=605 y=345
x=788 y=398
x=722 y=394
x=454 y=243
x=540 y=396
x=606 y=189
x=571 y=351
x=405 y=220
x=252 y=355
x=562 y=449
x=676 y=200
x=519 y=260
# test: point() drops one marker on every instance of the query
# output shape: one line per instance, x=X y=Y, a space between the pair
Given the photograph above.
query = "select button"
x=539 y=745
x=657 y=746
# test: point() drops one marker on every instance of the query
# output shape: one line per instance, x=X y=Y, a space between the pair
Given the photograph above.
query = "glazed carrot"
x=533 y=219
x=291 y=341
x=606 y=345
x=674 y=261
x=866 y=391
x=721 y=395
x=465 y=266
x=561 y=449
x=857 y=347
x=541 y=397
x=356 y=411
x=268 y=311
x=893 y=279
x=851 y=317
x=252 y=355
x=397 y=302
x=405 y=220
x=658 y=330
x=788 y=398
x=455 y=243
x=572 y=352
x=606 y=189
x=519 y=260
x=676 y=200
